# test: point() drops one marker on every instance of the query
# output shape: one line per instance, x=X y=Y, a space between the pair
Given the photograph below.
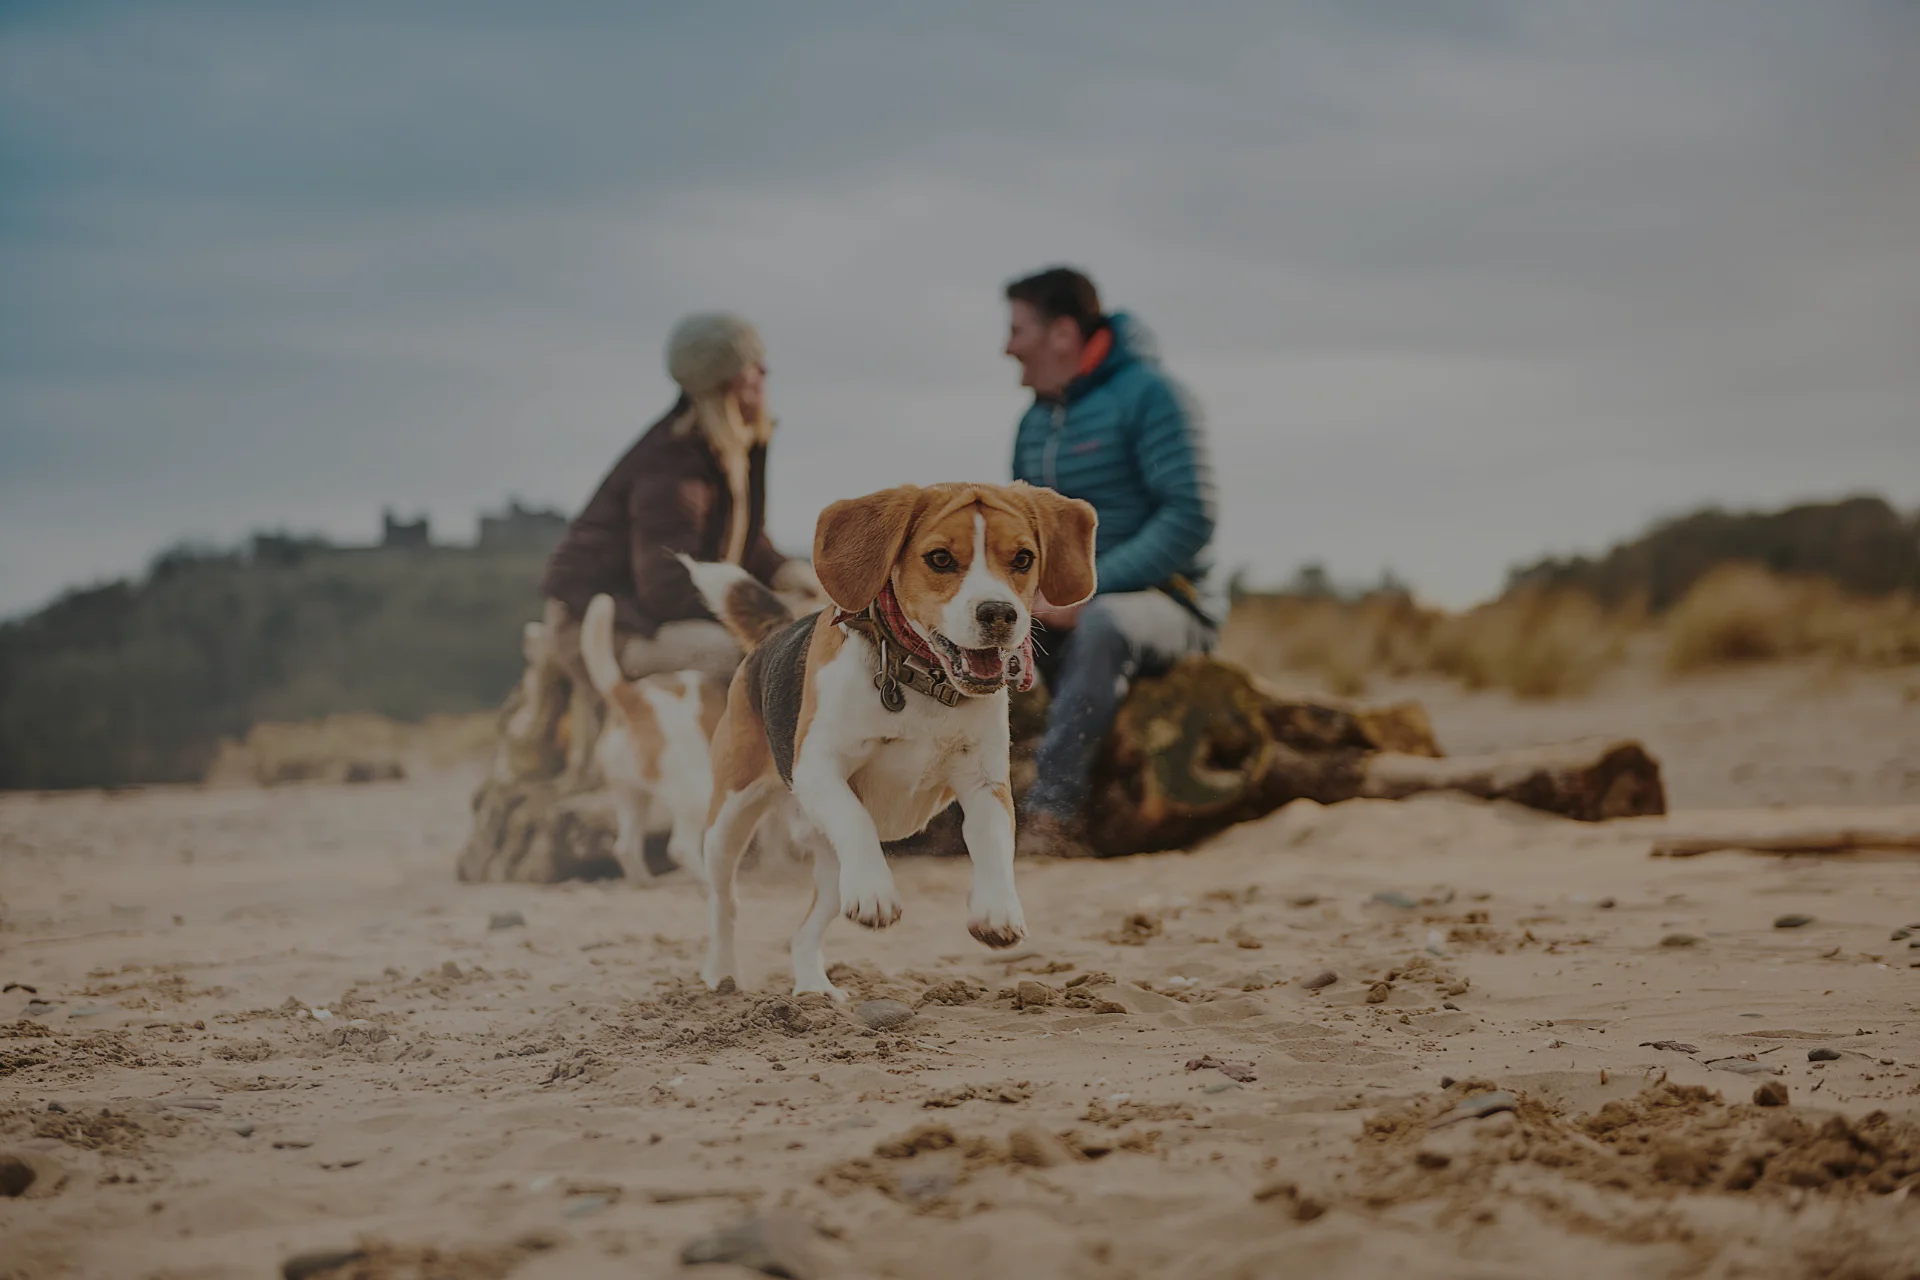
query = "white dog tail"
x=596 y=647
x=747 y=607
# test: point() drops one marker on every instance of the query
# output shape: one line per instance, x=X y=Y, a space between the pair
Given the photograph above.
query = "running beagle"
x=880 y=711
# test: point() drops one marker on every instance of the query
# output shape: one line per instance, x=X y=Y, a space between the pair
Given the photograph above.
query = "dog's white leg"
x=809 y=961
x=629 y=845
x=993 y=906
x=867 y=893
x=726 y=841
x=686 y=843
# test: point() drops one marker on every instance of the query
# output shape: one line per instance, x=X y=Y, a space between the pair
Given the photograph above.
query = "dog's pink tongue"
x=984 y=664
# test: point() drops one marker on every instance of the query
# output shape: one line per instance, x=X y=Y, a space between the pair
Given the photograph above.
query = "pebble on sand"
x=16 y=1175
x=884 y=1015
x=774 y=1244
x=318 y=1263
x=1478 y=1107
x=506 y=920
x=1680 y=940
x=1792 y=921
x=1770 y=1094
x=1325 y=978
x=1823 y=1055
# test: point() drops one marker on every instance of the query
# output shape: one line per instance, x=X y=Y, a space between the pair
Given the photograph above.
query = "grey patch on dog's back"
x=754 y=609
x=776 y=673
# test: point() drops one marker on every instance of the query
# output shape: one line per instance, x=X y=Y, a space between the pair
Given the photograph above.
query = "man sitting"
x=1108 y=426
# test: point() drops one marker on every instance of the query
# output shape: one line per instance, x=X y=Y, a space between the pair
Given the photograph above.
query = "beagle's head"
x=965 y=561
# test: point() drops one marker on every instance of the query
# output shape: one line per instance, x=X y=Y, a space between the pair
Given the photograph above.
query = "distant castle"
x=403 y=533
x=521 y=528
x=516 y=528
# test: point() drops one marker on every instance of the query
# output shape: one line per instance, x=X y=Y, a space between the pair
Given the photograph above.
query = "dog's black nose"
x=995 y=616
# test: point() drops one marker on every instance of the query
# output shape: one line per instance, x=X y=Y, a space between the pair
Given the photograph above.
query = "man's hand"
x=1056 y=617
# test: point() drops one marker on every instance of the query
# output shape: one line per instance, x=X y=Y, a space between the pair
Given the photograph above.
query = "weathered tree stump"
x=1206 y=746
x=1590 y=781
x=529 y=831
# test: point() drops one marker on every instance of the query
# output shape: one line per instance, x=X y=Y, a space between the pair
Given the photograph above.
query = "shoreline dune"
x=272 y=1022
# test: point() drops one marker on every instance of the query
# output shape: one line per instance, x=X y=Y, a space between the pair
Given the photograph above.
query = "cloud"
x=1455 y=288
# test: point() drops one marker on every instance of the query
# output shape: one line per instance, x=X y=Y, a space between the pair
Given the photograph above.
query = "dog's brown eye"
x=941 y=561
x=1022 y=560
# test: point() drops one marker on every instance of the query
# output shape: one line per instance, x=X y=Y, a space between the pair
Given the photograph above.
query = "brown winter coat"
x=667 y=494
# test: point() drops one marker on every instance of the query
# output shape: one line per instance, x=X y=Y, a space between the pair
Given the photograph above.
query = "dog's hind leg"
x=809 y=963
x=727 y=839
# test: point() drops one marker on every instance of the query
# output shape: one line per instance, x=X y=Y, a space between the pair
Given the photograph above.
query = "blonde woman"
x=694 y=484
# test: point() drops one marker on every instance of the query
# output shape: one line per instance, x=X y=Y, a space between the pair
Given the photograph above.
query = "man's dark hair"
x=1061 y=292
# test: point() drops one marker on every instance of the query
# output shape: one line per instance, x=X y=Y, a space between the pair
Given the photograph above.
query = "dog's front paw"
x=869 y=899
x=998 y=923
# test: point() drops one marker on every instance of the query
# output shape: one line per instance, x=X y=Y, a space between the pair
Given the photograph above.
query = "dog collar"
x=906 y=660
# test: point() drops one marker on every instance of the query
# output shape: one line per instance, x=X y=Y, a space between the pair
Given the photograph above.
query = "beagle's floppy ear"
x=857 y=541
x=1065 y=527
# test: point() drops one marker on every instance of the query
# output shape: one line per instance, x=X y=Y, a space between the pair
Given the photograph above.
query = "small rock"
x=1302 y=1207
x=1606 y=904
x=581 y=1206
x=1901 y=935
x=1770 y=1094
x=1427 y=1158
x=1324 y=978
x=1032 y=995
x=506 y=920
x=1378 y=992
x=1231 y=1070
x=1474 y=1108
x=244 y=1130
x=1672 y=1046
x=1303 y=899
x=1886 y=1062
x=1395 y=898
x=38 y=1008
x=1680 y=940
x=57 y=1108
x=448 y=969
x=885 y=1015
x=16 y=1175
x=925 y=1188
x=1745 y=1067
x=774 y=1244
x=318 y=1263
x=1793 y=921
x=1823 y=1055
x=1032 y=1145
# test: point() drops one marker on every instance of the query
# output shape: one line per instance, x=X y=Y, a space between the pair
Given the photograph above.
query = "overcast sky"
x=1458 y=284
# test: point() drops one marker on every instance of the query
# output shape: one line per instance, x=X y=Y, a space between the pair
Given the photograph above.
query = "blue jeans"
x=1088 y=671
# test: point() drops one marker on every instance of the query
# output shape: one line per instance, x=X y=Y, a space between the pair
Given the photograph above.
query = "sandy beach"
x=1434 y=1037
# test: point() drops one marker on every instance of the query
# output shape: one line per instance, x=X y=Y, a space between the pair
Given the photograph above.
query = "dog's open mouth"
x=973 y=670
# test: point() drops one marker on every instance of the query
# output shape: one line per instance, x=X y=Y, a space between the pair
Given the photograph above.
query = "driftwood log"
x=1897 y=833
x=1206 y=746
x=1192 y=752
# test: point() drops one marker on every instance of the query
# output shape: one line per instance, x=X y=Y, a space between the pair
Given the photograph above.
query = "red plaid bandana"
x=887 y=607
